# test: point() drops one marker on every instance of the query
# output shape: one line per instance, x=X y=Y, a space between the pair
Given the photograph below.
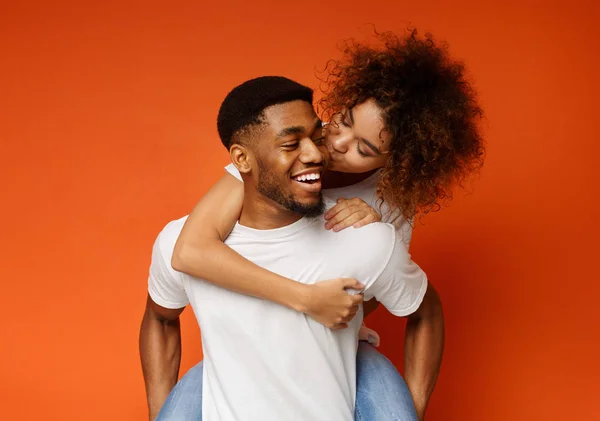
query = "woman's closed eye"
x=361 y=152
x=346 y=122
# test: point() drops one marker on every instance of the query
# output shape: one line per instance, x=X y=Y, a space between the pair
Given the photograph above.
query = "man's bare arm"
x=370 y=306
x=160 y=353
x=423 y=349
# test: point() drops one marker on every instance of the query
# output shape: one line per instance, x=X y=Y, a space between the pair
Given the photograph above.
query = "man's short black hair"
x=244 y=105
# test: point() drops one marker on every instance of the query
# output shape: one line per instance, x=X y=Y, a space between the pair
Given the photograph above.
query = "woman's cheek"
x=353 y=165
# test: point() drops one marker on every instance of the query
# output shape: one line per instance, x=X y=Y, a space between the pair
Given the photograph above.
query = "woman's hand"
x=329 y=303
x=350 y=212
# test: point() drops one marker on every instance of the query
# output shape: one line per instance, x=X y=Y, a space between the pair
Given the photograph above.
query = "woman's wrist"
x=299 y=297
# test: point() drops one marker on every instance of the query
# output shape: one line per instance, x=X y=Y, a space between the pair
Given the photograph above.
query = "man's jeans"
x=381 y=393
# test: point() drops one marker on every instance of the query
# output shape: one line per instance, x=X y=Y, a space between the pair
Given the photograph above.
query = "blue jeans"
x=381 y=393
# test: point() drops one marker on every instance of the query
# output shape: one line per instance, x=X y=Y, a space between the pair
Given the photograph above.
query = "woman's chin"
x=338 y=167
x=332 y=167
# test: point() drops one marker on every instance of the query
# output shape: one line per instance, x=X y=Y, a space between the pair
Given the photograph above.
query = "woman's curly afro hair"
x=429 y=108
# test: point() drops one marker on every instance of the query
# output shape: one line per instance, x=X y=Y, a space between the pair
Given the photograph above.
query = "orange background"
x=108 y=131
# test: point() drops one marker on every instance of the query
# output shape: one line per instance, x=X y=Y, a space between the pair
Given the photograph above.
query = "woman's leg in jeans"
x=184 y=403
x=381 y=393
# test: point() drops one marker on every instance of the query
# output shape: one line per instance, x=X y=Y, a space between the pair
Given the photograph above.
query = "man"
x=264 y=361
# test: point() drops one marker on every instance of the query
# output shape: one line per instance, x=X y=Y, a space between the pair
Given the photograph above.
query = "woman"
x=404 y=130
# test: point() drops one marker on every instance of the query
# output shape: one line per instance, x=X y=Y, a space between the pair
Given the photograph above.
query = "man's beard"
x=268 y=186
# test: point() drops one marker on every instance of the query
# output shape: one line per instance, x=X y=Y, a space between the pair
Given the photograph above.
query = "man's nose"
x=311 y=154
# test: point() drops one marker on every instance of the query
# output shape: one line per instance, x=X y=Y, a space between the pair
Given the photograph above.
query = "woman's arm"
x=200 y=252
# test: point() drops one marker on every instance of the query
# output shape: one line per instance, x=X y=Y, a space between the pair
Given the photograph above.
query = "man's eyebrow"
x=365 y=141
x=290 y=131
x=298 y=129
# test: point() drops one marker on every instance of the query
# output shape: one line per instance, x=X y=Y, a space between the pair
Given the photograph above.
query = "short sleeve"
x=165 y=284
x=231 y=169
x=402 y=284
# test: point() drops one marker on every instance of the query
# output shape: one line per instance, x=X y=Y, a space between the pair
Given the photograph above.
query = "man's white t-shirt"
x=265 y=362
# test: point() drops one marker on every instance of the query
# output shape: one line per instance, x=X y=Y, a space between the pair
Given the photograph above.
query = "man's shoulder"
x=167 y=237
x=375 y=230
x=377 y=237
x=361 y=253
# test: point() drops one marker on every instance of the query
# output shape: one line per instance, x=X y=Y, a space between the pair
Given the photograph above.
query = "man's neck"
x=262 y=213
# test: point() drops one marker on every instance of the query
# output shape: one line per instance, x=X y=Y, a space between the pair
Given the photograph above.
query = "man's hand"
x=330 y=304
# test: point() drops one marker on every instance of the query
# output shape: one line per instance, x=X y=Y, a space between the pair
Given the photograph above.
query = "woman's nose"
x=339 y=143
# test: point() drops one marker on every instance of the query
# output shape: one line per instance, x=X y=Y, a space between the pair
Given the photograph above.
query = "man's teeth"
x=308 y=177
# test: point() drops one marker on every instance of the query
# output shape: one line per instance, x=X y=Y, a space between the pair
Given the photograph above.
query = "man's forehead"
x=294 y=113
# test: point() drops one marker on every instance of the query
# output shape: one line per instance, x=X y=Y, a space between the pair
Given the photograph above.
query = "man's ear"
x=241 y=157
